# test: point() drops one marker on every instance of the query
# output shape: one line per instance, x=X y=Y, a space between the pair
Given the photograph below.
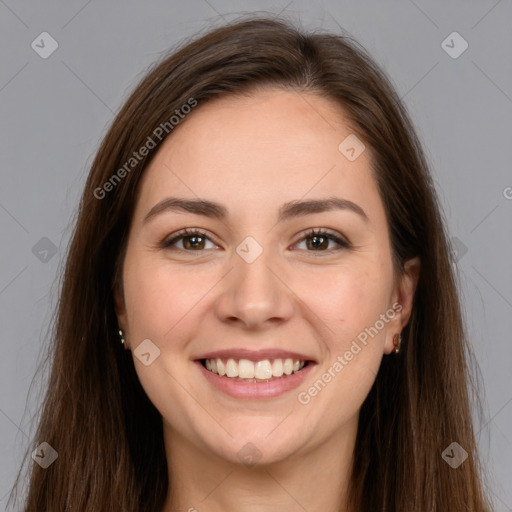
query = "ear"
x=403 y=295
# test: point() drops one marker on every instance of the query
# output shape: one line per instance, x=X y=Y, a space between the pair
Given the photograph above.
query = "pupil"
x=315 y=241
x=193 y=241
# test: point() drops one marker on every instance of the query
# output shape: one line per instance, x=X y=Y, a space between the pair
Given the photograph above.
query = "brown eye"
x=318 y=241
x=192 y=240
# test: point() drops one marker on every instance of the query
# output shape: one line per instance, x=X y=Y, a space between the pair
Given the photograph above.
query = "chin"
x=258 y=444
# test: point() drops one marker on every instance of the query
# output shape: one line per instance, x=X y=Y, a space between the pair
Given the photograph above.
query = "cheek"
x=159 y=296
x=348 y=300
x=350 y=303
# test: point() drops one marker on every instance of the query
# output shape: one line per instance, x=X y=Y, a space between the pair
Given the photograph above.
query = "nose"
x=255 y=295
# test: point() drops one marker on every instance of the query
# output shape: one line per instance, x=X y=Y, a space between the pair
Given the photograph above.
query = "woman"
x=258 y=310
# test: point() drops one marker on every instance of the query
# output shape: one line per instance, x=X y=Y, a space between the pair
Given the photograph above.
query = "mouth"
x=245 y=370
x=258 y=378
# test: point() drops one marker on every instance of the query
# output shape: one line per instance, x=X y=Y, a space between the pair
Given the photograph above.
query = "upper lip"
x=254 y=355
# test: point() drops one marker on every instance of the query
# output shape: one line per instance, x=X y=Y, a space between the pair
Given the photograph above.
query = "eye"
x=194 y=240
x=191 y=239
x=320 y=238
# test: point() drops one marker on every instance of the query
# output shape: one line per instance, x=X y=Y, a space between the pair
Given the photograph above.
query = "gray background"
x=54 y=112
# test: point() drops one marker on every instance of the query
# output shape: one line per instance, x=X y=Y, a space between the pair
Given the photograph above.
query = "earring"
x=121 y=334
x=397 y=340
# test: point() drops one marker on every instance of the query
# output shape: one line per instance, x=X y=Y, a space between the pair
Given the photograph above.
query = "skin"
x=252 y=154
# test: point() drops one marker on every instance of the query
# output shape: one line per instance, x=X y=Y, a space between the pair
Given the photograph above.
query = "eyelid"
x=342 y=241
x=183 y=233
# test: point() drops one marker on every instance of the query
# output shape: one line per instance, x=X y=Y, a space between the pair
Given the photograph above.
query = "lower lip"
x=271 y=389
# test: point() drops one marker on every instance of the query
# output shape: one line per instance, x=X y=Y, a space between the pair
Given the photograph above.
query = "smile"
x=245 y=370
x=270 y=377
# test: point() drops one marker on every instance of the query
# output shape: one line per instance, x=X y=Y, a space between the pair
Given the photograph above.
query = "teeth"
x=277 y=368
x=261 y=370
x=288 y=366
x=231 y=368
x=245 y=369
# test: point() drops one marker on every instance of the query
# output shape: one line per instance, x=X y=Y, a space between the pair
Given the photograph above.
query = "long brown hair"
x=97 y=416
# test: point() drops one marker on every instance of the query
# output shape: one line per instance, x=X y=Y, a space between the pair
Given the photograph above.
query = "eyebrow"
x=287 y=211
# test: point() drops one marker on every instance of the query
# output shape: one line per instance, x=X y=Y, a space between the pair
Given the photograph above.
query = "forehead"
x=259 y=150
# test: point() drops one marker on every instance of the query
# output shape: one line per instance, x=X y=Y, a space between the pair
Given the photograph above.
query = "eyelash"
x=323 y=233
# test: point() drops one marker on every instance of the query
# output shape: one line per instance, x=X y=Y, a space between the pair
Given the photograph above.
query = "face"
x=261 y=277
